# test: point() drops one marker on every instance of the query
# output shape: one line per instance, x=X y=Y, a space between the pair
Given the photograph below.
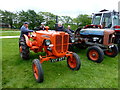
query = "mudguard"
x=28 y=42
x=116 y=28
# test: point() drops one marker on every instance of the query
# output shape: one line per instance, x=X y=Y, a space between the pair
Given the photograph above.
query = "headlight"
x=73 y=41
x=113 y=35
x=47 y=42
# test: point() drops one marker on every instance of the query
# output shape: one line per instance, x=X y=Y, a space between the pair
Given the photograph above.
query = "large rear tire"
x=118 y=44
x=37 y=71
x=112 y=52
x=24 y=49
x=95 y=53
x=74 y=62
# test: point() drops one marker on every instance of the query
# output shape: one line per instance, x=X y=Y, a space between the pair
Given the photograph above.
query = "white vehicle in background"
x=108 y=20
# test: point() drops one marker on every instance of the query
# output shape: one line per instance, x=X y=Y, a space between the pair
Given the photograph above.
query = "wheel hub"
x=93 y=54
x=72 y=62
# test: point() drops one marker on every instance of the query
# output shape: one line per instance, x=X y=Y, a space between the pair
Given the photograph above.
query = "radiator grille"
x=62 y=43
x=65 y=43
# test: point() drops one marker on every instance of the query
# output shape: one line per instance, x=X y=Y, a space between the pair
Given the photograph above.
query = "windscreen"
x=107 y=20
x=96 y=19
x=116 y=20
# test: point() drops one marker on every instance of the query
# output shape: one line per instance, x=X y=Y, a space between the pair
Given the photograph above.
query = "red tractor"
x=108 y=20
x=98 y=41
x=100 y=36
x=54 y=44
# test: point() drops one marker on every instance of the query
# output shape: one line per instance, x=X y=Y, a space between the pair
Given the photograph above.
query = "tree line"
x=16 y=19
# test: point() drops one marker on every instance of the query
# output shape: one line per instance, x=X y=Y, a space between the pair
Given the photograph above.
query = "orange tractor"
x=54 y=43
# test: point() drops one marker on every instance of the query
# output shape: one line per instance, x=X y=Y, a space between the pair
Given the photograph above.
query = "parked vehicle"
x=108 y=20
x=54 y=44
x=100 y=37
x=98 y=41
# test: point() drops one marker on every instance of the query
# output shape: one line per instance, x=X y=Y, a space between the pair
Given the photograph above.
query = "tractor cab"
x=107 y=19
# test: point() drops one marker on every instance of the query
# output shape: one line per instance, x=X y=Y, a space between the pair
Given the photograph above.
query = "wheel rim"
x=35 y=70
x=20 y=48
x=110 y=52
x=72 y=62
x=93 y=54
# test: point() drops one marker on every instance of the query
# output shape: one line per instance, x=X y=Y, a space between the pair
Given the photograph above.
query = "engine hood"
x=95 y=31
x=50 y=33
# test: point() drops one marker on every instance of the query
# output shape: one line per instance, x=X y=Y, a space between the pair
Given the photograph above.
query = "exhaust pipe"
x=56 y=25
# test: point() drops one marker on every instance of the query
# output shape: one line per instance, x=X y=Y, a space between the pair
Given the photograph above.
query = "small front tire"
x=74 y=62
x=95 y=53
x=37 y=70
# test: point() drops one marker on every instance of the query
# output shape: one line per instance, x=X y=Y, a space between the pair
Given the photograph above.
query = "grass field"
x=17 y=73
x=9 y=33
x=0 y=63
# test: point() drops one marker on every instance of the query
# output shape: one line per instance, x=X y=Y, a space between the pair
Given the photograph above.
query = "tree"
x=35 y=19
x=47 y=16
x=30 y=16
x=82 y=20
x=49 y=19
x=66 y=19
x=7 y=17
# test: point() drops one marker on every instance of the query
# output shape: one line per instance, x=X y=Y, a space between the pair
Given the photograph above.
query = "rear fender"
x=28 y=42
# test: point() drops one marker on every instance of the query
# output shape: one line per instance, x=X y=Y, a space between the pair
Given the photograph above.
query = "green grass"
x=8 y=29
x=9 y=33
x=0 y=63
x=17 y=73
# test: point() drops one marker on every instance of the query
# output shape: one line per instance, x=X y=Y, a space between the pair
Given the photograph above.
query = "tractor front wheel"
x=37 y=71
x=95 y=53
x=112 y=52
x=74 y=62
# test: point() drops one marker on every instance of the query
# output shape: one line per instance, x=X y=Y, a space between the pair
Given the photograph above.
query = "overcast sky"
x=60 y=7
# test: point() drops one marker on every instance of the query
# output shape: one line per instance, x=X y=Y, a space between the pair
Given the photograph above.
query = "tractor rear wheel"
x=74 y=62
x=118 y=44
x=95 y=53
x=112 y=52
x=37 y=71
x=24 y=49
